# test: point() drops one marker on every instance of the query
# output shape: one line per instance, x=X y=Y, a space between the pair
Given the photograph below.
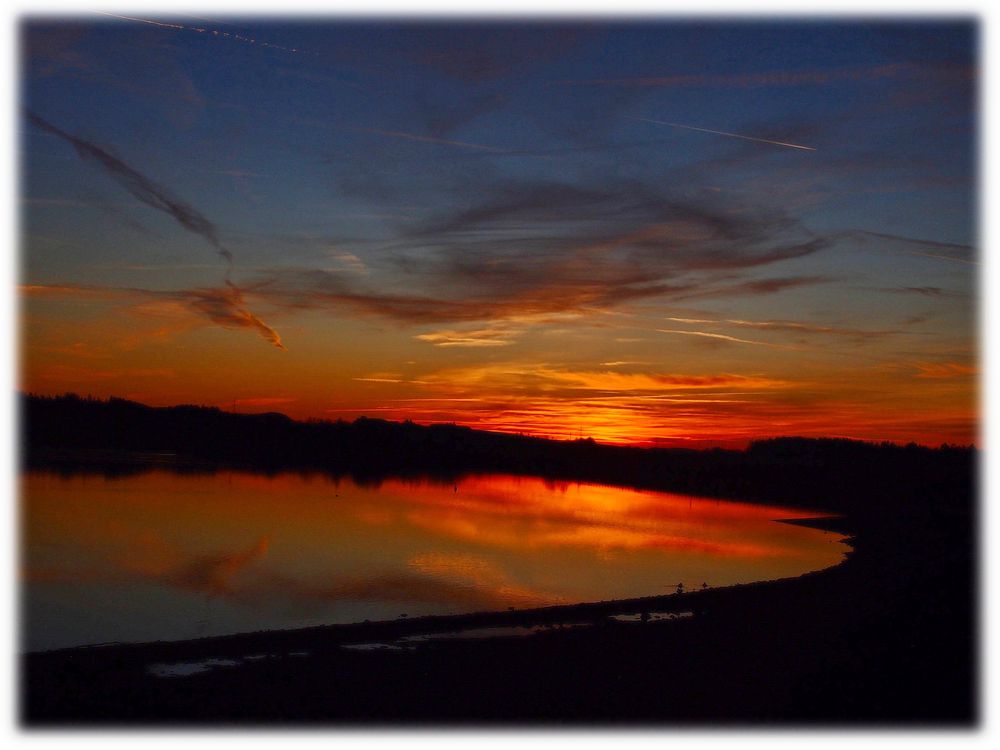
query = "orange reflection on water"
x=287 y=550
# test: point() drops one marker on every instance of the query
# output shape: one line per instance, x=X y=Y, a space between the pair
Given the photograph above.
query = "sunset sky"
x=670 y=233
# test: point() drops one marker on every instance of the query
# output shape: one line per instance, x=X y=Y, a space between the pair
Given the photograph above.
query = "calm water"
x=163 y=556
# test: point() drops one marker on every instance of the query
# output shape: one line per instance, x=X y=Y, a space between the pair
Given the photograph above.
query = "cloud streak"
x=467 y=339
x=723 y=132
x=773 y=78
x=431 y=139
x=215 y=33
x=531 y=247
x=141 y=187
x=944 y=370
x=723 y=337
x=224 y=306
x=950 y=251
x=788 y=326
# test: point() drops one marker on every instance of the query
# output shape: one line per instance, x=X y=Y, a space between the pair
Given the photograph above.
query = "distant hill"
x=835 y=474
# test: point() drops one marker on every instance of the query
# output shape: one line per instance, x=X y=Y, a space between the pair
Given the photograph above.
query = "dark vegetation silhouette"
x=887 y=638
x=833 y=474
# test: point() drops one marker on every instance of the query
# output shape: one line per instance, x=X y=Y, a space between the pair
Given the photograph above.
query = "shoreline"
x=585 y=613
x=886 y=635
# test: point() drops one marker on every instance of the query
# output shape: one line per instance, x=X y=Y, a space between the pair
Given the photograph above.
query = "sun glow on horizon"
x=472 y=224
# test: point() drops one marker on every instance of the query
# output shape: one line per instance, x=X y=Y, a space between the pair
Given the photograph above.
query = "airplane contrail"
x=722 y=132
x=724 y=337
x=224 y=306
x=199 y=30
x=140 y=20
x=141 y=187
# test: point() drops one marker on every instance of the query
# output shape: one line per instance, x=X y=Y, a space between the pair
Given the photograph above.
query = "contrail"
x=199 y=30
x=927 y=244
x=141 y=187
x=141 y=20
x=722 y=132
x=228 y=308
x=724 y=337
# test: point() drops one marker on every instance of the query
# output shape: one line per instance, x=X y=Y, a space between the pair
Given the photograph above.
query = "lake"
x=163 y=555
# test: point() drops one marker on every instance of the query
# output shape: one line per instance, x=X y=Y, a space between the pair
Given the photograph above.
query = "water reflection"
x=163 y=555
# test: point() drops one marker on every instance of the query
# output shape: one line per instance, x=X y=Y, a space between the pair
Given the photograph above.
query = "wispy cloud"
x=67 y=373
x=214 y=33
x=950 y=251
x=501 y=333
x=224 y=306
x=723 y=132
x=141 y=187
x=789 y=326
x=722 y=337
x=944 y=370
x=538 y=247
x=75 y=291
x=765 y=79
x=349 y=261
x=923 y=291
x=516 y=377
x=431 y=139
x=372 y=379
x=749 y=288
x=467 y=339
x=236 y=173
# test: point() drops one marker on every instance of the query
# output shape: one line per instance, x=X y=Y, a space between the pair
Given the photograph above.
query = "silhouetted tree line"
x=834 y=474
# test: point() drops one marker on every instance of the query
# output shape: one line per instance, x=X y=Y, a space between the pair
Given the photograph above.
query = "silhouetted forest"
x=834 y=474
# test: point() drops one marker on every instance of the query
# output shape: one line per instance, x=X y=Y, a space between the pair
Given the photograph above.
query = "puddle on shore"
x=406 y=643
x=507 y=631
x=188 y=668
x=500 y=631
x=653 y=616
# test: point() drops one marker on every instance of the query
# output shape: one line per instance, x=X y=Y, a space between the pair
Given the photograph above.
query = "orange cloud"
x=478 y=338
x=944 y=370
x=540 y=377
x=225 y=306
x=59 y=291
x=263 y=401
x=722 y=337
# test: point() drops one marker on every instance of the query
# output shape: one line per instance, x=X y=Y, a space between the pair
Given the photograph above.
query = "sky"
x=683 y=233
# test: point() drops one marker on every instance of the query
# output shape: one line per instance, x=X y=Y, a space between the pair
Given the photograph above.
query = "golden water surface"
x=164 y=555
